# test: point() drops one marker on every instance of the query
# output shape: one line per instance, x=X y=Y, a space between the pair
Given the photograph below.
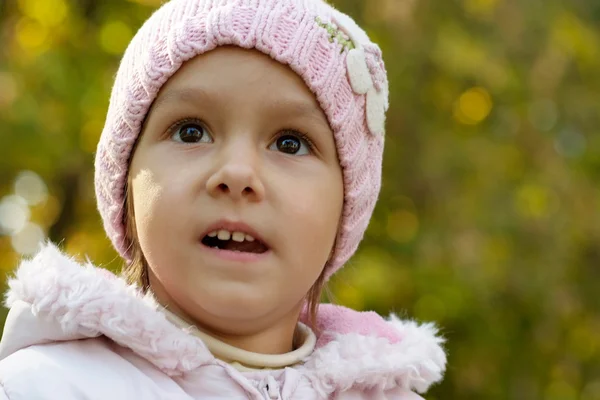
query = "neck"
x=263 y=337
x=277 y=339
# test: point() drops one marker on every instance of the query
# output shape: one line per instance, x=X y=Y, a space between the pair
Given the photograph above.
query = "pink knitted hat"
x=332 y=54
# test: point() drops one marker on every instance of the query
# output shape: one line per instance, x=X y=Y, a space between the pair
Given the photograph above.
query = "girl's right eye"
x=191 y=132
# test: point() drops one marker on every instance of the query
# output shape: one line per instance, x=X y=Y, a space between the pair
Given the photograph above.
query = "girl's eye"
x=191 y=133
x=292 y=143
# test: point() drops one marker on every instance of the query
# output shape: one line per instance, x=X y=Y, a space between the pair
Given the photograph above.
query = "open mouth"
x=234 y=241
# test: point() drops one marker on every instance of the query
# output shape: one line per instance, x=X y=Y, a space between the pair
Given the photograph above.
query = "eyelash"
x=300 y=135
x=293 y=132
x=173 y=128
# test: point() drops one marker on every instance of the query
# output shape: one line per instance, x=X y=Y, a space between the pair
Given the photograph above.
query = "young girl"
x=237 y=171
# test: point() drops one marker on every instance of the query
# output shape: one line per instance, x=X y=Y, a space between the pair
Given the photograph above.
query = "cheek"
x=155 y=218
x=147 y=195
x=313 y=212
x=156 y=223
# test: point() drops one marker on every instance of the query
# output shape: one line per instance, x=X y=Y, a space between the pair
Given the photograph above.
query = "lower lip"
x=236 y=256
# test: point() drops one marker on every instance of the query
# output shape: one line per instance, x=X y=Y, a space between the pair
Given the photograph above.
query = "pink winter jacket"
x=79 y=332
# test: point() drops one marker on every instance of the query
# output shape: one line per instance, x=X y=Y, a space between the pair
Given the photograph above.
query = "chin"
x=236 y=302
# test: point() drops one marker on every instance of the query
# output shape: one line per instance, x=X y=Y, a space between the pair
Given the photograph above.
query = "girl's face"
x=236 y=146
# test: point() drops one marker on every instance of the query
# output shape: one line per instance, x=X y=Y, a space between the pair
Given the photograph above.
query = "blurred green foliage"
x=488 y=222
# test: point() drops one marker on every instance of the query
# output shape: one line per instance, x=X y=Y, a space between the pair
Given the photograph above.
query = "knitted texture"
x=326 y=48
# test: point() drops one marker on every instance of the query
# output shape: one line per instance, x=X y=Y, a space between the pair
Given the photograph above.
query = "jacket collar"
x=352 y=347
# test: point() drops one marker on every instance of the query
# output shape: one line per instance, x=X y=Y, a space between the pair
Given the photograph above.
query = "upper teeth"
x=236 y=236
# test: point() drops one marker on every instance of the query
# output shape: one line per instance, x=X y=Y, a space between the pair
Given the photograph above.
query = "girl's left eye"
x=293 y=143
x=191 y=132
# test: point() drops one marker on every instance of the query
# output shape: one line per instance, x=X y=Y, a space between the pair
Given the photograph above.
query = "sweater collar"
x=243 y=360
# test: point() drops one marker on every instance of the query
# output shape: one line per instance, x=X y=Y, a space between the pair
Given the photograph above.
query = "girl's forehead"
x=229 y=72
x=240 y=67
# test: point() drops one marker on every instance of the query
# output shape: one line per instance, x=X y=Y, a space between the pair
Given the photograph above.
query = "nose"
x=237 y=179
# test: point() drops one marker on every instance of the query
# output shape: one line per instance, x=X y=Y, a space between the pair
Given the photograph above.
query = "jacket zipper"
x=270 y=390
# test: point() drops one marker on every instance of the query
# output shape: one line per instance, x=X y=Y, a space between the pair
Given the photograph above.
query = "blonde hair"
x=136 y=271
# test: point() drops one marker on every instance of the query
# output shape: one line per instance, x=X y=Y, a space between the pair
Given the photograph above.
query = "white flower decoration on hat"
x=366 y=74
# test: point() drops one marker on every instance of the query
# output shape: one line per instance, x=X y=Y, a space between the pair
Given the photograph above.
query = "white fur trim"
x=89 y=302
x=415 y=363
x=85 y=300
x=358 y=71
x=376 y=111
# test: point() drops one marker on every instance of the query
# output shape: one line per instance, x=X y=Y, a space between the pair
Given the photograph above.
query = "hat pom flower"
x=367 y=78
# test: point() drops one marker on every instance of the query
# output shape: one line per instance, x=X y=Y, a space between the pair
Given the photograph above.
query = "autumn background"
x=489 y=218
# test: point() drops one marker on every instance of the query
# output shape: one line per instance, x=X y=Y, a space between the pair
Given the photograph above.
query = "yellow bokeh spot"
x=573 y=36
x=30 y=34
x=49 y=13
x=533 y=201
x=473 y=106
x=402 y=226
x=114 y=37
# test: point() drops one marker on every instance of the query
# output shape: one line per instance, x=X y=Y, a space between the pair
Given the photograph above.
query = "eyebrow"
x=197 y=95
x=185 y=95
x=298 y=109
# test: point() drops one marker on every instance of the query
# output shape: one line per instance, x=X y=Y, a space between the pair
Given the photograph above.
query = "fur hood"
x=84 y=301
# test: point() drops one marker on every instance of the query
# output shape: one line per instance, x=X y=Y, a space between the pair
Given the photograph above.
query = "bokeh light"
x=114 y=36
x=14 y=214
x=28 y=240
x=31 y=187
x=49 y=13
x=473 y=106
x=31 y=35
